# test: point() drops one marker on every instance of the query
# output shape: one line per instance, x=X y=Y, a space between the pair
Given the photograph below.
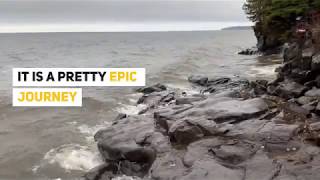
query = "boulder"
x=303 y=100
x=218 y=81
x=292 y=53
x=290 y=89
x=118 y=143
x=315 y=63
x=277 y=133
x=183 y=132
x=218 y=109
x=156 y=98
x=154 y=88
x=102 y=172
x=198 y=79
x=313 y=93
x=306 y=60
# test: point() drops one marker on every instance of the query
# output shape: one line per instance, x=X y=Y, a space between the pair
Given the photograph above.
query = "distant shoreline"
x=49 y=32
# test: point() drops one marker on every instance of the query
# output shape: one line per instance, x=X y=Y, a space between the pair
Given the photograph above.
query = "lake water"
x=57 y=143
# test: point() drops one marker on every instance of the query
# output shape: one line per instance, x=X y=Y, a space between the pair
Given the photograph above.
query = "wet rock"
x=200 y=150
x=289 y=90
x=218 y=81
x=315 y=63
x=246 y=129
x=259 y=86
x=317 y=81
x=303 y=100
x=206 y=169
x=189 y=100
x=154 y=88
x=103 y=172
x=121 y=116
x=232 y=109
x=317 y=110
x=306 y=60
x=168 y=167
x=277 y=133
x=295 y=112
x=221 y=109
x=156 y=98
x=309 y=107
x=233 y=154
x=315 y=126
x=198 y=79
x=118 y=144
x=248 y=52
x=183 y=132
x=292 y=53
x=313 y=93
x=261 y=167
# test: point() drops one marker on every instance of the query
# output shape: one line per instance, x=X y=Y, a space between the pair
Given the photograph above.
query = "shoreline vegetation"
x=232 y=129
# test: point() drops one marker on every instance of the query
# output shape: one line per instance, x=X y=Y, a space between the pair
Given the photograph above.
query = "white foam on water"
x=187 y=89
x=124 y=177
x=73 y=157
x=130 y=109
x=89 y=132
x=263 y=70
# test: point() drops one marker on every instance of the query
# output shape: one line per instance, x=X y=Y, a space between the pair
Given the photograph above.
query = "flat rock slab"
x=290 y=90
x=228 y=109
x=313 y=93
x=208 y=169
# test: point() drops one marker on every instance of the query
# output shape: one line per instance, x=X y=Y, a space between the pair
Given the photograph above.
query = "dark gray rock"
x=154 y=88
x=292 y=53
x=206 y=169
x=315 y=63
x=303 y=100
x=218 y=81
x=290 y=89
x=313 y=93
x=156 y=98
x=261 y=167
x=103 y=172
x=315 y=126
x=198 y=79
x=168 y=167
x=200 y=150
x=218 y=109
x=306 y=59
x=317 y=110
x=277 y=133
x=189 y=100
x=183 y=132
x=118 y=143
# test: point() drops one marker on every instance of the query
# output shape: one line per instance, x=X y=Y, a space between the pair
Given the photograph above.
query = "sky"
x=119 y=15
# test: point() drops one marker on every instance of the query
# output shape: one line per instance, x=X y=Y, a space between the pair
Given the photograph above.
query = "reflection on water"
x=50 y=143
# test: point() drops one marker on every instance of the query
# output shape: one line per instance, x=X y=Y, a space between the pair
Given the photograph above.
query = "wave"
x=74 y=157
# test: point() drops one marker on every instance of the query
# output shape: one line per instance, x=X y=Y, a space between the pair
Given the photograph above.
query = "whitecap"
x=91 y=131
x=124 y=177
x=73 y=157
x=130 y=109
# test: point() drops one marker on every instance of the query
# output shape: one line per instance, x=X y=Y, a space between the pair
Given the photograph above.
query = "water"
x=57 y=143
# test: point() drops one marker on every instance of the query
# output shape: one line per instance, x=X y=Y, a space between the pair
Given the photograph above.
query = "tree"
x=256 y=9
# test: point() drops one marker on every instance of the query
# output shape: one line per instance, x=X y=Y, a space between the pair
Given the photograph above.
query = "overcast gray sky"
x=93 y=12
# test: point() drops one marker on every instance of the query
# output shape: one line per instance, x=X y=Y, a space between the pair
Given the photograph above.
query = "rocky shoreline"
x=232 y=130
